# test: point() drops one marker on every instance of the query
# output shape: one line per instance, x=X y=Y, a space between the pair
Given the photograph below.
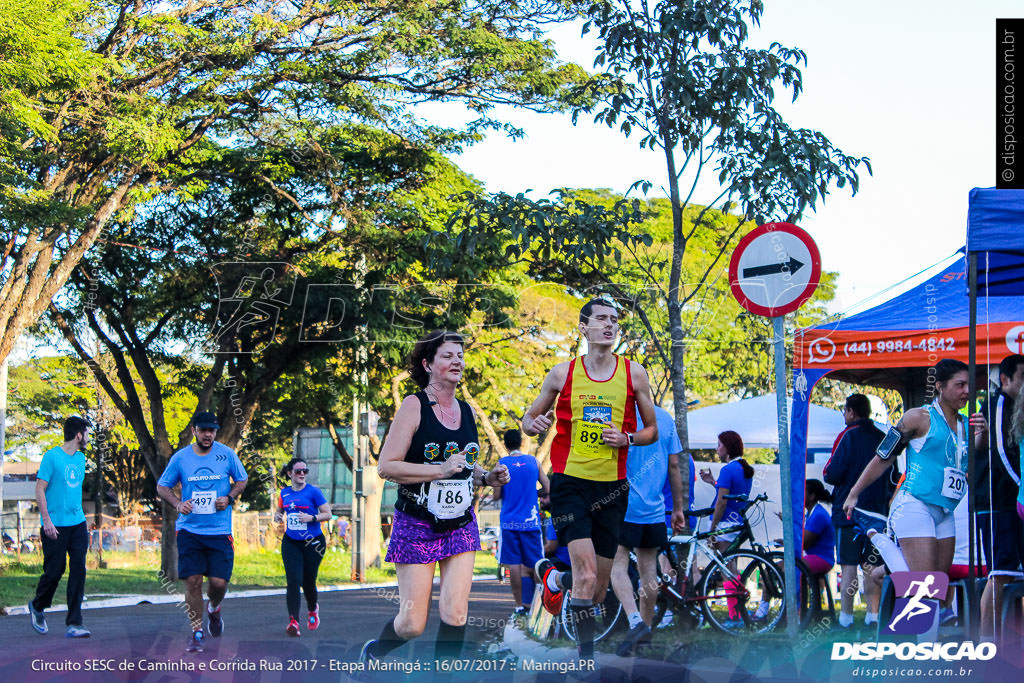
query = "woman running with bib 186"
x=431 y=451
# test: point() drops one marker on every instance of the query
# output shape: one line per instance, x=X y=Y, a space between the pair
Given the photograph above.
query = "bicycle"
x=734 y=586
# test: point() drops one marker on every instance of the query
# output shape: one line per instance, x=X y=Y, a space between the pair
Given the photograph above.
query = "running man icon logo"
x=917 y=601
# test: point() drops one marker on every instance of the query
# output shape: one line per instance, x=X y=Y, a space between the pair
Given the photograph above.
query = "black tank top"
x=432 y=444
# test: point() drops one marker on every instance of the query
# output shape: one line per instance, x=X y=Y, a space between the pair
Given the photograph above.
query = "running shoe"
x=76 y=631
x=293 y=627
x=314 y=619
x=195 y=642
x=761 y=612
x=365 y=657
x=946 y=616
x=637 y=636
x=552 y=600
x=519 y=611
x=38 y=620
x=216 y=622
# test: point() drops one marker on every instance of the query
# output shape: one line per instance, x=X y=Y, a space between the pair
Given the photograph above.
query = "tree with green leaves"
x=108 y=103
x=683 y=76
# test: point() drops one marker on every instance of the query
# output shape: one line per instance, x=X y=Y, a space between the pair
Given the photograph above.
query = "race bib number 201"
x=954 y=483
x=203 y=502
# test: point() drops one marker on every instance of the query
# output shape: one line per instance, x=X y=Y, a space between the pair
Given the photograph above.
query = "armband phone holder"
x=891 y=445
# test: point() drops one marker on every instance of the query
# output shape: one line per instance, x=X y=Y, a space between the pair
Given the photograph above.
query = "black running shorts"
x=581 y=508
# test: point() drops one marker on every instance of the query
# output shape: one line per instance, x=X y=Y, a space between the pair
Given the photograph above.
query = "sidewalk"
x=175 y=597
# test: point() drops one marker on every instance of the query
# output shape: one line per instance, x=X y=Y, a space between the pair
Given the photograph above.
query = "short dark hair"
x=588 y=308
x=947 y=367
x=425 y=349
x=1008 y=366
x=513 y=439
x=859 y=404
x=73 y=426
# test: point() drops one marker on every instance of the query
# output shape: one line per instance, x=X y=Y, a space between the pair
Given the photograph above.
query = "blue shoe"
x=946 y=616
x=38 y=620
x=74 y=631
x=195 y=643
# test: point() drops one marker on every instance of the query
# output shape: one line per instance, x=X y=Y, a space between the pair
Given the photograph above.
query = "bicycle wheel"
x=809 y=597
x=608 y=616
x=748 y=598
x=672 y=600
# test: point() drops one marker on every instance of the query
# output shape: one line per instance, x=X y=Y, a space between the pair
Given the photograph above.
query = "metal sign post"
x=775 y=268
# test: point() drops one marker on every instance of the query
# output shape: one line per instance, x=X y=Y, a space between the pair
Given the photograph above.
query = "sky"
x=907 y=83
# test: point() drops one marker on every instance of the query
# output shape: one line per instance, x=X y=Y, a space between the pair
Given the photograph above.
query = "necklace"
x=445 y=415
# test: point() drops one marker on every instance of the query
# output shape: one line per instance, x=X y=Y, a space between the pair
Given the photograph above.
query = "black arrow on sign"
x=774 y=269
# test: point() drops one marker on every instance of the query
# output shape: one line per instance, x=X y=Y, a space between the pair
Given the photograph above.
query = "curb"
x=141 y=599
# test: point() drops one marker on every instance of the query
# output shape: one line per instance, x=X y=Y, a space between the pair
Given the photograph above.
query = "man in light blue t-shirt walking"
x=211 y=477
x=644 y=531
x=64 y=534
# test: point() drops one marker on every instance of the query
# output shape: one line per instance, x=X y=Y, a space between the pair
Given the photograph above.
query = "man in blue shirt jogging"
x=521 y=542
x=211 y=477
x=64 y=534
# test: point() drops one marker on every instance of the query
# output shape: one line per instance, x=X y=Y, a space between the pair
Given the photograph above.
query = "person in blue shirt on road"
x=301 y=507
x=666 y=492
x=643 y=531
x=211 y=477
x=521 y=543
x=64 y=533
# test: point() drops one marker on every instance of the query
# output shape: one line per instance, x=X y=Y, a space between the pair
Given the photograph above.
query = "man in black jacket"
x=853 y=450
x=997 y=493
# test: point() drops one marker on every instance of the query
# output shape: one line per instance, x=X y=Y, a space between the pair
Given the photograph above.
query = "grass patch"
x=126 y=573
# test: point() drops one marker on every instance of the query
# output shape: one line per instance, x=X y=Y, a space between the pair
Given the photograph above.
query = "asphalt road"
x=133 y=641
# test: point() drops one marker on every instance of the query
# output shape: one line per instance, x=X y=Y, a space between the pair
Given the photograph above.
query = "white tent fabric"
x=756 y=420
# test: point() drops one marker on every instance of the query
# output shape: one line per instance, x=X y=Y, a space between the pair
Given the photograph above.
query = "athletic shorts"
x=633 y=535
x=581 y=508
x=912 y=518
x=817 y=564
x=203 y=555
x=1007 y=555
x=853 y=547
x=520 y=546
x=961 y=571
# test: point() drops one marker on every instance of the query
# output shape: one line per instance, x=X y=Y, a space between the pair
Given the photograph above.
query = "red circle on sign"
x=803 y=296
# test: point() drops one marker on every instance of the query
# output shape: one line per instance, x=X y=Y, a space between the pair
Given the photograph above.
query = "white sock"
x=870 y=617
x=210 y=608
x=552 y=581
x=845 y=619
x=635 y=620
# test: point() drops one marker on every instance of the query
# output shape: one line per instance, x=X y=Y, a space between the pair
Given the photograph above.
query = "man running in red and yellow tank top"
x=594 y=398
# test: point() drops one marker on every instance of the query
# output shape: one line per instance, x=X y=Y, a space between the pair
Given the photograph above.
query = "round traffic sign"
x=774 y=269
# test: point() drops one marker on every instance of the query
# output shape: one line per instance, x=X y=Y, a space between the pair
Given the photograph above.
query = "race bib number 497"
x=203 y=502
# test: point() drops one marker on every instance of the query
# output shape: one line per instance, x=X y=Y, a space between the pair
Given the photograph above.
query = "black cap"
x=205 y=420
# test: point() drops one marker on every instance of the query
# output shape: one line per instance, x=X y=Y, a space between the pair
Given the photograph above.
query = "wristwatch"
x=231 y=499
x=629 y=437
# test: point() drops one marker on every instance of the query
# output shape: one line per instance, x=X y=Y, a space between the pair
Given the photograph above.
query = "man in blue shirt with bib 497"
x=211 y=478
x=59 y=496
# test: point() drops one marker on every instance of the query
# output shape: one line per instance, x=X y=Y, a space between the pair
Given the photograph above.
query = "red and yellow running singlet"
x=583 y=410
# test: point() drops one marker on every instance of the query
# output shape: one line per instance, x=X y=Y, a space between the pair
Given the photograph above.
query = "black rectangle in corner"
x=1009 y=44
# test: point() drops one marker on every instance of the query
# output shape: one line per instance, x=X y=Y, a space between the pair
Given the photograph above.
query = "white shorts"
x=912 y=518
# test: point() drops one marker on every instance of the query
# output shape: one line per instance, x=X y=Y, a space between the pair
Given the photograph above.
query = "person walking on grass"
x=64 y=533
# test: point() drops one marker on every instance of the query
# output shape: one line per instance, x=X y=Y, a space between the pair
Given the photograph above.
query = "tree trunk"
x=168 y=545
x=371 y=522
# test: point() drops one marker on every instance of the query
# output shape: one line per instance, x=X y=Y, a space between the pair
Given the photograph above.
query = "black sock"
x=449 y=641
x=583 y=618
x=387 y=641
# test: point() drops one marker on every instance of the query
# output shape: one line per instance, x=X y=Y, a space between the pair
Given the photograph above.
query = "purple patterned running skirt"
x=413 y=541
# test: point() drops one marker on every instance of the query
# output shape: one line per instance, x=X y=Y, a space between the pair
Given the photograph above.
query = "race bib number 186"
x=449 y=498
